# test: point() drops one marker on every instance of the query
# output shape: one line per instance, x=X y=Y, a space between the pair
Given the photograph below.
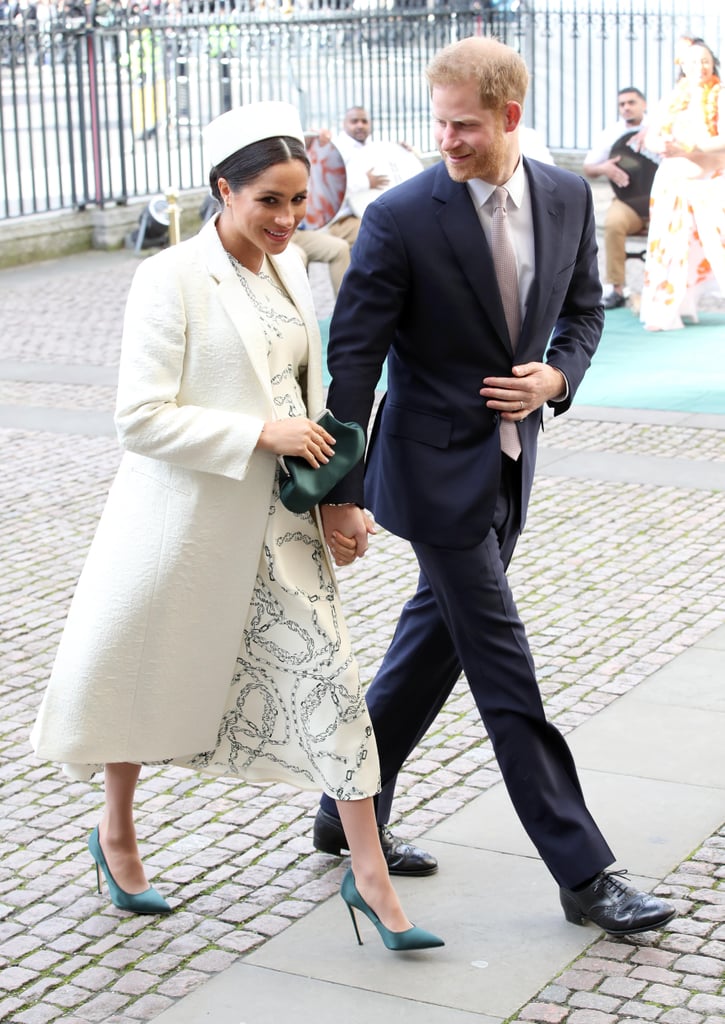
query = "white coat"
x=148 y=652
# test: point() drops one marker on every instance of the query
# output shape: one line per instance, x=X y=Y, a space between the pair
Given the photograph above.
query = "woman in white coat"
x=206 y=627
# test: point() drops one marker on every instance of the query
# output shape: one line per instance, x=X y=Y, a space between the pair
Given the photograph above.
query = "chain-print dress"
x=296 y=711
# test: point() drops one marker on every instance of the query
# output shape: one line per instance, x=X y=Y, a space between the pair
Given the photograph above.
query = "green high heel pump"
x=411 y=938
x=147 y=902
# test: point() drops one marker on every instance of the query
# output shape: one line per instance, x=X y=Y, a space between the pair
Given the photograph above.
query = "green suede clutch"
x=301 y=485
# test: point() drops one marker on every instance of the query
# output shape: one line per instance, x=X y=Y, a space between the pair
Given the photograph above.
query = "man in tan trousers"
x=622 y=219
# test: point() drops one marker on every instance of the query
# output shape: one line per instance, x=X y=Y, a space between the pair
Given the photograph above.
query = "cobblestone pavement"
x=613 y=581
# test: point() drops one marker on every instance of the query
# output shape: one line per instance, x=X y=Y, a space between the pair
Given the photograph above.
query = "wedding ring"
x=521 y=406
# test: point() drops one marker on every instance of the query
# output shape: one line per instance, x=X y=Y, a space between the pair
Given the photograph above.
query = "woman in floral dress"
x=686 y=243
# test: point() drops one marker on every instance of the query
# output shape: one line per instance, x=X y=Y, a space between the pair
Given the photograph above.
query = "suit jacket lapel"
x=547 y=208
x=460 y=224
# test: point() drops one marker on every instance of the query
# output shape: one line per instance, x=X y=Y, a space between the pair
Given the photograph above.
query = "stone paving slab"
x=614 y=580
x=255 y=995
x=88 y=422
x=653 y=799
x=492 y=898
x=505 y=938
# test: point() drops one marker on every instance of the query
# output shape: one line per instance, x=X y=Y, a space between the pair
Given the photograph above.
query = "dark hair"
x=242 y=167
x=634 y=89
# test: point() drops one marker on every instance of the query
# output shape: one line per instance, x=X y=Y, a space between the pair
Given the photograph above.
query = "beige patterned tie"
x=504 y=262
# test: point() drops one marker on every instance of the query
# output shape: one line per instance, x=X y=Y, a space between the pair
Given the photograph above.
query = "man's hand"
x=532 y=385
x=322 y=135
x=637 y=141
x=610 y=169
x=378 y=181
x=616 y=174
x=346 y=530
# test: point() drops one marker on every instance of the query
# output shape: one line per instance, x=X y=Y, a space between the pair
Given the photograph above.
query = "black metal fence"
x=103 y=103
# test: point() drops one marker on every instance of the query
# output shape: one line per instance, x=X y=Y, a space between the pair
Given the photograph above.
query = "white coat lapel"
x=237 y=304
x=244 y=317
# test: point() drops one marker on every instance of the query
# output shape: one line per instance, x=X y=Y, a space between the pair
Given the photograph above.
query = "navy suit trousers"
x=463 y=615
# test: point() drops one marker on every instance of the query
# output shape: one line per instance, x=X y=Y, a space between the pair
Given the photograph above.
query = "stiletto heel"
x=354 y=924
x=147 y=902
x=411 y=938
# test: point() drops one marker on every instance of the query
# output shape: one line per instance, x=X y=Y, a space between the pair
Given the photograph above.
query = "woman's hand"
x=677 y=147
x=346 y=528
x=298 y=436
x=343 y=549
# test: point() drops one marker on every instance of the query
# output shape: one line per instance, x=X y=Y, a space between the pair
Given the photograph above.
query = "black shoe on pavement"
x=402 y=858
x=614 y=300
x=615 y=907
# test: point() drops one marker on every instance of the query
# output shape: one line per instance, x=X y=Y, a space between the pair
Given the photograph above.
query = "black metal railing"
x=103 y=103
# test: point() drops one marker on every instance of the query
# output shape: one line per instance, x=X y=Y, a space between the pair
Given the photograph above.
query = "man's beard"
x=488 y=165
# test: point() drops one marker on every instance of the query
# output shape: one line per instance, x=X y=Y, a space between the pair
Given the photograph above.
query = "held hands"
x=346 y=527
x=297 y=436
x=530 y=387
x=346 y=530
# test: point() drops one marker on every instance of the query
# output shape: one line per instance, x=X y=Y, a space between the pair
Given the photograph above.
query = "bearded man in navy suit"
x=422 y=292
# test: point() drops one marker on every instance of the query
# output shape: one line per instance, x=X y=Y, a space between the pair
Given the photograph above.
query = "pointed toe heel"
x=410 y=939
x=147 y=902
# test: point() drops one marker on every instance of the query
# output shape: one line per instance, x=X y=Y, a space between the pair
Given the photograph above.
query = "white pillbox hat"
x=253 y=122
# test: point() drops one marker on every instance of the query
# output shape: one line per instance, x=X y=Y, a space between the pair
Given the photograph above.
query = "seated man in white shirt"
x=622 y=219
x=354 y=137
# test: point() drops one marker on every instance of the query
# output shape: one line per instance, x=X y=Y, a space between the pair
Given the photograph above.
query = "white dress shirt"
x=520 y=222
x=521 y=228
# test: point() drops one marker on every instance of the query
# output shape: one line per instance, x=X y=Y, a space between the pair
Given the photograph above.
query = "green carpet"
x=673 y=371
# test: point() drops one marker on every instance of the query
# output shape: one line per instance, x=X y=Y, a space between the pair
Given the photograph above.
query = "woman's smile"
x=261 y=217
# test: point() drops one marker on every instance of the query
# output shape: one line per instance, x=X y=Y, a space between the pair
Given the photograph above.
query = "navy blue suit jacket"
x=421 y=290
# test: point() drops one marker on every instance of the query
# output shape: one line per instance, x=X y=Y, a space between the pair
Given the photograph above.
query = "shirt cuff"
x=563 y=395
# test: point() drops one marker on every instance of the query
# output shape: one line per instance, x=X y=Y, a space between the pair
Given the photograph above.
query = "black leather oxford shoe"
x=401 y=858
x=617 y=908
